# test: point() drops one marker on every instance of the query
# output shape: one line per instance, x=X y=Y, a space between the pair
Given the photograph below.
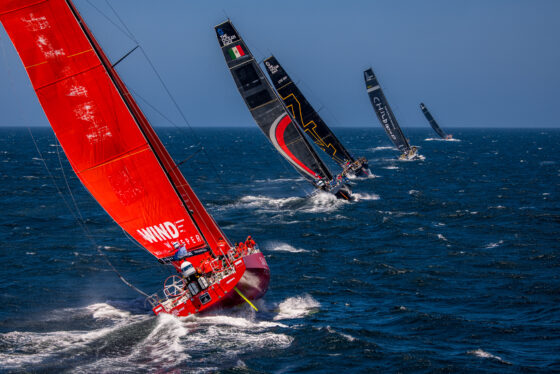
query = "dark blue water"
x=450 y=264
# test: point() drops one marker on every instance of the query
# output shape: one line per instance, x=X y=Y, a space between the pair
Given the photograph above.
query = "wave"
x=440 y=236
x=109 y=339
x=484 y=354
x=382 y=148
x=283 y=247
x=441 y=140
x=353 y=177
x=494 y=245
x=297 y=307
x=280 y=180
x=365 y=196
x=391 y=167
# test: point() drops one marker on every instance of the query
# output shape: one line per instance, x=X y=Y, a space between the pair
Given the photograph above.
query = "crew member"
x=223 y=247
x=250 y=243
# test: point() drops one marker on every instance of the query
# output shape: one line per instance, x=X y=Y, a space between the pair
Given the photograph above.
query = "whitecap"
x=442 y=237
x=350 y=338
x=494 y=245
x=484 y=354
x=392 y=167
x=365 y=196
x=382 y=148
x=283 y=247
x=297 y=307
x=322 y=202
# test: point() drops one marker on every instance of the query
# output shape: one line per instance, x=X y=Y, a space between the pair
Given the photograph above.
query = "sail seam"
x=117 y=158
x=23 y=7
x=67 y=77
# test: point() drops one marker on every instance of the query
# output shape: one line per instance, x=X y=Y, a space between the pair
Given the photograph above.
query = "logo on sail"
x=167 y=231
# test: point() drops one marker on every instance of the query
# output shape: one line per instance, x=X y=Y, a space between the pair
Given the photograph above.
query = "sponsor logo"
x=225 y=38
x=272 y=68
x=383 y=116
x=167 y=231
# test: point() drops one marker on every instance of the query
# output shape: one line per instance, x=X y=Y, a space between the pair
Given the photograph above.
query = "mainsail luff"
x=267 y=108
x=108 y=141
x=384 y=112
x=305 y=115
x=432 y=121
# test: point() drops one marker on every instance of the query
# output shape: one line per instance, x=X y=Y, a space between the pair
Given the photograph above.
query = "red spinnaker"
x=108 y=141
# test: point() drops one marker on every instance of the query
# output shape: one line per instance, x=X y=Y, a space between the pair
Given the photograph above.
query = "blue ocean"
x=448 y=264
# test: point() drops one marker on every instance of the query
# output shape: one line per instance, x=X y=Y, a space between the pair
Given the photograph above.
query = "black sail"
x=266 y=108
x=432 y=121
x=306 y=117
x=384 y=112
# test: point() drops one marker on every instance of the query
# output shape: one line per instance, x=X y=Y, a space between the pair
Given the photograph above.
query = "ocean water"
x=450 y=264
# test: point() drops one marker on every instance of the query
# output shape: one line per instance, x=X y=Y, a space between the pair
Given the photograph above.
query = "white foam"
x=413 y=192
x=322 y=202
x=392 y=167
x=354 y=177
x=382 y=148
x=484 y=354
x=296 y=307
x=365 y=196
x=442 y=237
x=494 y=245
x=350 y=338
x=442 y=140
x=283 y=247
x=265 y=203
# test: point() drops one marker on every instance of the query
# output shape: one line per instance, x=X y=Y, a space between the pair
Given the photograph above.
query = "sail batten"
x=267 y=108
x=108 y=141
x=384 y=112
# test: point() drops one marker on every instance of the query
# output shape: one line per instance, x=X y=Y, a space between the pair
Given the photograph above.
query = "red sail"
x=108 y=141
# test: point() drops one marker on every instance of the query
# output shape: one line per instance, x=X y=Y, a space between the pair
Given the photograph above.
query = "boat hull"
x=251 y=279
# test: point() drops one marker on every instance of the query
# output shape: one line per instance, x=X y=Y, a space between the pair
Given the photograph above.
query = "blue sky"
x=477 y=63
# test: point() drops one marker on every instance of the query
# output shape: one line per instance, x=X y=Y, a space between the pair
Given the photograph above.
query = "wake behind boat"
x=272 y=117
x=434 y=124
x=311 y=123
x=387 y=118
x=120 y=160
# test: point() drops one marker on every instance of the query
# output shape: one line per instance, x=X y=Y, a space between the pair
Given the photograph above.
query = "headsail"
x=433 y=122
x=108 y=141
x=266 y=108
x=306 y=117
x=384 y=112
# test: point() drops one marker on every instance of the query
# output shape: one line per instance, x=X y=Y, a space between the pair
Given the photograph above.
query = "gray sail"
x=267 y=109
x=384 y=112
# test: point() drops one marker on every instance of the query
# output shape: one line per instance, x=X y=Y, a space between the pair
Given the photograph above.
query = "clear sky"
x=476 y=63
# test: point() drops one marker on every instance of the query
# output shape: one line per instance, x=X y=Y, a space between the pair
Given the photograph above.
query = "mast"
x=384 y=112
x=306 y=117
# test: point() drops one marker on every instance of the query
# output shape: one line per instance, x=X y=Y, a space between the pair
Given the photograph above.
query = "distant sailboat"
x=120 y=160
x=271 y=115
x=434 y=124
x=387 y=118
x=310 y=122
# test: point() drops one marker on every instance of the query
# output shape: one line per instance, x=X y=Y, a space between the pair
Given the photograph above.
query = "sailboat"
x=272 y=117
x=387 y=118
x=119 y=159
x=434 y=124
x=311 y=123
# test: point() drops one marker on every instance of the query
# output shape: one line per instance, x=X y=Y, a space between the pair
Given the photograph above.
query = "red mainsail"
x=108 y=141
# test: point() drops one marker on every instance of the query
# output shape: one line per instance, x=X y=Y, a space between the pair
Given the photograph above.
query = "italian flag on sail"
x=236 y=52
